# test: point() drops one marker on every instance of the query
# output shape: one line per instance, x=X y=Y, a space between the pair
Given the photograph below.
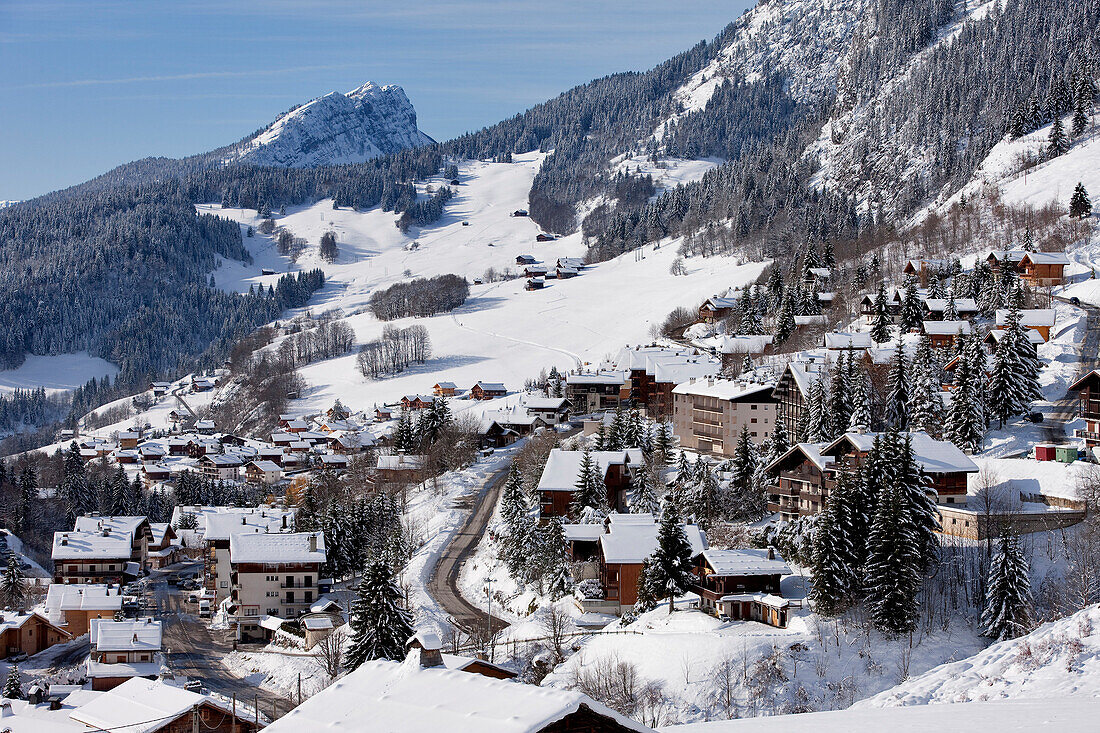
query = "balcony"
x=296 y=584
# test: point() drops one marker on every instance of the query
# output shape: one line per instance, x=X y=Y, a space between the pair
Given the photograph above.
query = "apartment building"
x=273 y=575
x=709 y=414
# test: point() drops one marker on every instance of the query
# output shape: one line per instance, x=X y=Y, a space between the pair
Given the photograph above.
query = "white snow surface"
x=364 y=123
x=1057 y=659
x=57 y=373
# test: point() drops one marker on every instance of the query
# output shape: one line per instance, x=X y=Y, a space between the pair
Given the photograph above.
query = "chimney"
x=243 y=520
x=5 y=710
x=284 y=521
x=771 y=553
x=313 y=543
x=430 y=649
x=64 y=541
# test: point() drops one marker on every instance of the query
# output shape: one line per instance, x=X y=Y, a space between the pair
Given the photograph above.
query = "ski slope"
x=503 y=332
x=57 y=373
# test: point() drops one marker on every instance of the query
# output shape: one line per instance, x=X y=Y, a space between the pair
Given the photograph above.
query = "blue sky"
x=87 y=85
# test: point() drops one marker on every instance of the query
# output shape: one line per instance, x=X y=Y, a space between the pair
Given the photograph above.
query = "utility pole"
x=195 y=719
x=299 y=688
x=234 y=724
x=256 y=708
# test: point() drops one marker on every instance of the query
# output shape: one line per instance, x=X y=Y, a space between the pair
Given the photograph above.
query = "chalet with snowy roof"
x=382 y=414
x=1040 y=320
x=577 y=263
x=1000 y=257
x=1087 y=389
x=742 y=584
x=942 y=465
x=160 y=388
x=551 y=410
x=203 y=384
x=273 y=575
x=488 y=390
x=535 y=270
x=525 y=259
x=565 y=273
x=72 y=607
x=559 y=478
x=654 y=373
x=141 y=705
x=164 y=550
x=415 y=402
x=349 y=442
x=894 y=298
x=334 y=461
x=716 y=308
x=944 y=334
x=444 y=389
x=535 y=283
x=401 y=469
x=847 y=341
x=390 y=696
x=102 y=556
x=265 y=473
x=589 y=392
x=936 y=308
x=221 y=467
x=205 y=427
x=709 y=414
x=541 y=237
x=1043 y=269
x=993 y=336
x=28 y=633
x=923 y=269
x=799 y=488
x=123 y=649
x=628 y=540
x=816 y=276
x=129 y=439
x=136 y=527
x=154 y=473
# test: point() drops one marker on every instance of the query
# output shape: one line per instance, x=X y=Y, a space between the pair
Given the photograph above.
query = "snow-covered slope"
x=503 y=332
x=337 y=128
x=1057 y=659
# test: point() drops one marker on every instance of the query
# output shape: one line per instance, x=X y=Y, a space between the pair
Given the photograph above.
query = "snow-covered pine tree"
x=920 y=507
x=784 y=321
x=892 y=575
x=951 y=310
x=965 y=426
x=667 y=572
x=746 y=364
x=380 y=627
x=774 y=288
x=642 y=495
x=13 y=689
x=881 y=325
x=840 y=403
x=1057 y=143
x=818 y=427
x=935 y=287
x=27 y=503
x=557 y=580
x=835 y=578
x=926 y=410
x=704 y=499
x=746 y=501
x=663 y=444
x=897 y=397
x=589 y=491
x=1080 y=207
x=1007 y=613
x=860 y=419
x=13 y=587
x=74 y=485
x=1004 y=397
x=912 y=310
x=514 y=513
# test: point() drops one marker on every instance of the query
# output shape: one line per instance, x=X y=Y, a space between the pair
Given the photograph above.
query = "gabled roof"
x=266 y=466
x=962 y=305
x=809 y=451
x=1032 y=318
x=276 y=548
x=745 y=562
x=933 y=456
x=615 y=377
x=1080 y=383
x=401 y=462
x=139 y=705
x=847 y=340
x=731 y=390
x=223 y=523
x=946 y=328
x=632 y=543
x=391 y=696
x=545 y=403
x=563 y=467
x=82 y=597
x=491 y=386
x=109 y=635
x=92 y=523
x=1046 y=258
x=91 y=545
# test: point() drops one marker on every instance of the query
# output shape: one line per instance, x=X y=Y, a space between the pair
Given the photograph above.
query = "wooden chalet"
x=416 y=402
x=1040 y=320
x=28 y=633
x=535 y=283
x=923 y=269
x=716 y=309
x=944 y=334
x=444 y=389
x=525 y=260
x=799 y=487
x=540 y=237
x=742 y=584
x=1043 y=269
x=488 y=390
x=1088 y=406
x=597 y=391
x=999 y=258
x=559 y=478
x=935 y=308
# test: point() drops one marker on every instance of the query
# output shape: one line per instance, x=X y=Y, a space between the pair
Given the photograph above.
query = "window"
x=309 y=597
x=272 y=612
x=754 y=407
x=273 y=578
x=224 y=584
x=252 y=611
x=272 y=594
x=753 y=421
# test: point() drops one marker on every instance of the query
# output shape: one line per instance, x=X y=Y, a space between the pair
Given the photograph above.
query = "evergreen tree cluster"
x=876 y=537
x=380 y=624
x=535 y=554
x=420 y=298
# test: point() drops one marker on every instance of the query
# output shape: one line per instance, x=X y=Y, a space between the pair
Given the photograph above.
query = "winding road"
x=1064 y=410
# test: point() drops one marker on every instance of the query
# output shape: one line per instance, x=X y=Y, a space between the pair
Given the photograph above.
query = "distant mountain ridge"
x=336 y=129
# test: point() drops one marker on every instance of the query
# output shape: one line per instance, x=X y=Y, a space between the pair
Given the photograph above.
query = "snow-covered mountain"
x=337 y=128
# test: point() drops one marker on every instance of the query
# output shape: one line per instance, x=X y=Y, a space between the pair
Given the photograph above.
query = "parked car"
x=204 y=609
x=192 y=597
x=1075 y=300
x=1035 y=417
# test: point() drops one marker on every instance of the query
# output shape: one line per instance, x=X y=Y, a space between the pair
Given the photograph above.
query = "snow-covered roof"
x=139 y=705
x=334 y=458
x=401 y=462
x=317 y=623
x=745 y=562
x=221 y=525
x=94 y=523
x=1031 y=318
x=962 y=305
x=563 y=467
x=82 y=597
x=674 y=372
x=446 y=385
x=811 y=451
x=1046 y=258
x=726 y=389
x=946 y=328
x=544 y=403
x=818 y=320
x=1011 y=255
x=109 y=635
x=91 y=545
x=389 y=696
x=266 y=466
x=633 y=543
x=847 y=340
x=933 y=456
x=582 y=532
x=222 y=460
x=744 y=344
x=996 y=334
x=491 y=386
x=615 y=377
x=293 y=547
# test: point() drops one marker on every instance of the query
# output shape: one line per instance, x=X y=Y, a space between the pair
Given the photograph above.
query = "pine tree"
x=892 y=577
x=840 y=404
x=880 y=328
x=26 y=507
x=920 y=507
x=817 y=417
x=966 y=423
x=835 y=577
x=667 y=572
x=926 y=410
x=518 y=523
x=912 y=311
x=897 y=399
x=746 y=499
x=1080 y=206
x=1007 y=613
x=1080 y=115
x=664 y=444
x=642 y=496
x=860 y=419
x=784 y=322
x=1057 y=144
x=380 y=627
x=74 y=486
x=589 y=491
x=1004 y=396
x=555 y=563
x=13 y=588
x=704 y=499
x=13 y=689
